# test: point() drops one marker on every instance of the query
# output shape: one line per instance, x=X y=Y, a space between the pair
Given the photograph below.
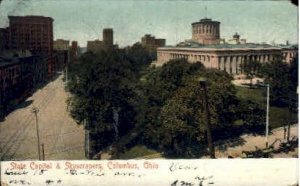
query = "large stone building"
x=205 y=47
x=34 y=33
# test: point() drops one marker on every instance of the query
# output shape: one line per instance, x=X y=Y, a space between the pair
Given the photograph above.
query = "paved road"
x=62 y=138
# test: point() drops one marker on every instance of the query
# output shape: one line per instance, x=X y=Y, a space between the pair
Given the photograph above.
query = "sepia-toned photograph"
x=148 y=80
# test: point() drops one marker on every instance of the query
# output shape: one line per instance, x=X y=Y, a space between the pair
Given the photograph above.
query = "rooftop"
x=206 y=20
x=30 y=18
x=192 y=45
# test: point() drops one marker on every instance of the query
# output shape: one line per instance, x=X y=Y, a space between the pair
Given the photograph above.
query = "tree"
x=276 y=73
x=251 y=68
x=172 y=115
x=184 y=116
x=156 y=87
x=293 y=74
x=139 y=56
x=103 y=92
x=252 y=115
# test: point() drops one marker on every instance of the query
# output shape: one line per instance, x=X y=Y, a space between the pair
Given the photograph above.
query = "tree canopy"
x=125 y=101
x=103 y=89
x=251 y=68
x=282 y=79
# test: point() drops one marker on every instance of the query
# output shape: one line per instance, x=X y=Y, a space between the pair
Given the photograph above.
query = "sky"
x=82 y=20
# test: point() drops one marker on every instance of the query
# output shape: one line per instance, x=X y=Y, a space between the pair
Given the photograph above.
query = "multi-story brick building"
x=205 y=48
x=34 y=33
x=20 y=72
x=4 y=39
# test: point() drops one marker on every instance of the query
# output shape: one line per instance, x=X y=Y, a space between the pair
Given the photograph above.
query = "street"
x=61 y=137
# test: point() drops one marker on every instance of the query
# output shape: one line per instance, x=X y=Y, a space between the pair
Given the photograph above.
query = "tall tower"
x=108 y=37
x=206 y=31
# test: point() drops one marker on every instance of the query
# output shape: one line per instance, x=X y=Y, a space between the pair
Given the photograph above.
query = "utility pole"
x=35 y=110
x=43 y=151
x=208 y=132
x=267 y=115
x=289 y=119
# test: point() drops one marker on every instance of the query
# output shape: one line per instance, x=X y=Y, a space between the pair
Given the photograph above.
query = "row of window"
x=225 y=58
x=209 y=29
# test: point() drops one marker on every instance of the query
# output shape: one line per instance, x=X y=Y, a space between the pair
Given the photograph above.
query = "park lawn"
x=257 y=95
x=139 y=151
x=279 y=116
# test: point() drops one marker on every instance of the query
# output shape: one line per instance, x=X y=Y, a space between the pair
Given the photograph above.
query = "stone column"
x=222 y=67
x=238 y=64
x=208 y=64
x=233 y=64
x=228 y=65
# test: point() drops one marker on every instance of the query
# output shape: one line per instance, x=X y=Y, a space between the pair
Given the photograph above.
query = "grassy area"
x=279 y=116
x=257 y=95
x=139 y=151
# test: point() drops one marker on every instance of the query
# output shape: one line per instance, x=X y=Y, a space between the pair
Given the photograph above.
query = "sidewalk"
x=251 y=142
x=246 y=82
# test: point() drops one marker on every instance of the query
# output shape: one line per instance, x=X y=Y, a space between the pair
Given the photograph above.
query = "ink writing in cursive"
x=197 y=181
x=179 y=166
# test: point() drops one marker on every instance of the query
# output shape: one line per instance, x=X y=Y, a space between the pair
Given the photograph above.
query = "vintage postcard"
x=158 y=92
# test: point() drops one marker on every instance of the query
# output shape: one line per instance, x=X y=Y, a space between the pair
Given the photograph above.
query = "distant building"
x=289 y=52
x=108 y=37
x=61 y=44
x=98 y=45
x=95 y=46
x=74 y=51
x=151 y=43
x=207 y=47
x=236 y=40
x=61 y=50
x=34 y=33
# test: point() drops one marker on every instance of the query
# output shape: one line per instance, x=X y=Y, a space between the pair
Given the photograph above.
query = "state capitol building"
x=207 y=47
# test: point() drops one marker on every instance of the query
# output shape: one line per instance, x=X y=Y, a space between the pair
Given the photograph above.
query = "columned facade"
x=228 y=60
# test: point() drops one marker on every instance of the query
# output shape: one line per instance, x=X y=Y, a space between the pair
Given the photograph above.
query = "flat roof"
x=30 y=18
x=190 y=45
